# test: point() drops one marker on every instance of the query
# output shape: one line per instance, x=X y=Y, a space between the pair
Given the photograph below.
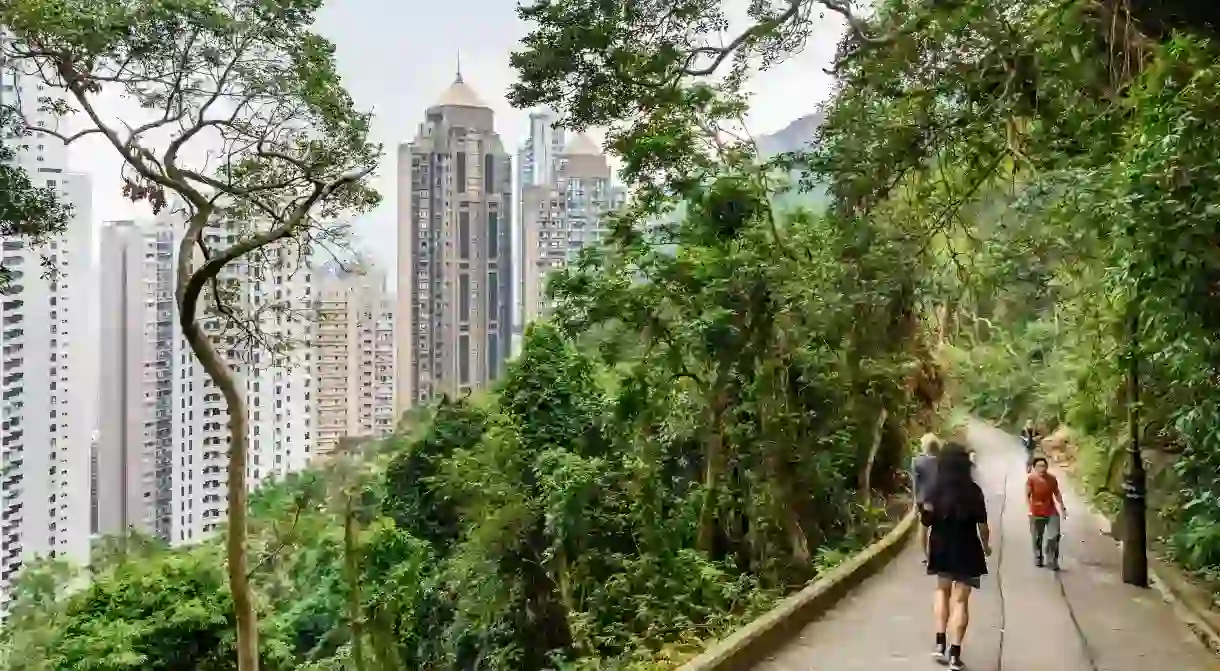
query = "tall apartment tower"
x=454 y=312
x=162 y=443
x=538 y=157
x=537 y=163
x=48 y=384
x=562 y=217
x=135 y=447
x=353 y=355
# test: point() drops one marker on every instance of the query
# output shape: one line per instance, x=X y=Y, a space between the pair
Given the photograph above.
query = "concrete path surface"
x=1024 y=618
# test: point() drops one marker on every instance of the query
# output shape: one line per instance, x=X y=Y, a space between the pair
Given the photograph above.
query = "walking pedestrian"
x=1042 y=493
x=959 y=543
x=1029 y=440
x=923 y=472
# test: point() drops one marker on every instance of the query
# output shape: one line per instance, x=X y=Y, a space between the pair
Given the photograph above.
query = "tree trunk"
x=780 y=479
x=188 y=290
x=580 y=644
x=544 y=607
x=713 y=473
x=239 y=582
x=947 y=328
x=798 y=540
x=866 y=469
x=351 y=568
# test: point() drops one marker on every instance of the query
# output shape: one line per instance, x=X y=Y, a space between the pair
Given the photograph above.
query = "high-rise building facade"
x=135 y=449
x=47 y=384
x=562 y=217
x=538 y=158
x=353 y=355
x=537 y=163
x=162 y=448
x=455 y=213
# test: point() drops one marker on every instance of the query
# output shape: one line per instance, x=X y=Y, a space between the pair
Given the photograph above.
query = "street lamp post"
x=1135 y=480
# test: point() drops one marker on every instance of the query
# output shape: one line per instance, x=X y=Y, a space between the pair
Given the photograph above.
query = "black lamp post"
x=1135 y=480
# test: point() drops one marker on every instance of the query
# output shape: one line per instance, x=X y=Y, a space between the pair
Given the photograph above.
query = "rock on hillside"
x=794 y=137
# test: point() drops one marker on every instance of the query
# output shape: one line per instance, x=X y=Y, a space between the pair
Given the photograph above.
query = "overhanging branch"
x=859 y=28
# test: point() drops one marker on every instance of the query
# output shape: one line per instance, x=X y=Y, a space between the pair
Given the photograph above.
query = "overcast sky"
x=397 y=56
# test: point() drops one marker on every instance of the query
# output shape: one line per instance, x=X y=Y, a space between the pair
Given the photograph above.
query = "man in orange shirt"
x=1041 y=493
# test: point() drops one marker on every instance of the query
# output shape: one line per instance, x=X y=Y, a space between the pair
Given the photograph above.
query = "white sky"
x=396 y=56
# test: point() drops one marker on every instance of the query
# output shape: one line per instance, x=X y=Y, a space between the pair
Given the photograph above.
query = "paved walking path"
x=1024 y=618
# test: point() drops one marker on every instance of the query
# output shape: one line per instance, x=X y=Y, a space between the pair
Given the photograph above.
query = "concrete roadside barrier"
x=752 y=643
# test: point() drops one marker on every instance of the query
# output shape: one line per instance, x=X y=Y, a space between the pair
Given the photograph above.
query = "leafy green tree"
x=415 y=492
x=287 y=154
x=158 y=610
x=1054 y=166
x=535 y=466
x=29 y=213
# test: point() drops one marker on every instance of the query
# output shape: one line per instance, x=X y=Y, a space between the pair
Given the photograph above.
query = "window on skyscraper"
x=493 y=295
x=493 y=234
x=463 y=235
x=463 y=359
x=464 y=297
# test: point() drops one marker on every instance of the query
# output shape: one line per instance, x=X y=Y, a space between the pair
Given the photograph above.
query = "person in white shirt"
x=923 y=473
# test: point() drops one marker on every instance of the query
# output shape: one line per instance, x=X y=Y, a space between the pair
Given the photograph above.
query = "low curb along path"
x=1024 y=618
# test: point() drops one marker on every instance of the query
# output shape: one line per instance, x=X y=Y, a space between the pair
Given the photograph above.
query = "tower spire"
x=458 y=79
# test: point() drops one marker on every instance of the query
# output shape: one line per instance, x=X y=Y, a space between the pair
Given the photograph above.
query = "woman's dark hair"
x=1039 y=459
x=954 y=493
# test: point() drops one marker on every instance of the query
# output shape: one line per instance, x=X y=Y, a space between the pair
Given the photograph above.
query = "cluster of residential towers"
x=109 y=421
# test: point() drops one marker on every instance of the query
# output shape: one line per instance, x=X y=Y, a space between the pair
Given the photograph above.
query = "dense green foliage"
x=1063 y=149
x=556 y=520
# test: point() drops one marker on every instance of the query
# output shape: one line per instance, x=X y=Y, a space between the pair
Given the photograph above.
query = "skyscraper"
x=48 y=385
x=537 y=163
x=539 y=154
x=564 y=216
x=135 y=448
x=454 y=314
x=353 y=355
x=162 y=446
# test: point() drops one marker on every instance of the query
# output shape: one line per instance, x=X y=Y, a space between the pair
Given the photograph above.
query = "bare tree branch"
x=859 y=28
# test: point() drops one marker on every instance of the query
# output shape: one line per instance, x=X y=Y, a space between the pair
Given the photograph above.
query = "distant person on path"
x=923 y=472
x=1029 y=440
x=1041 y=493
x=959 y=543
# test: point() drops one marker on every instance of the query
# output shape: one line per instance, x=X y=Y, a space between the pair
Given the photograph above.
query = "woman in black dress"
x=958 y=546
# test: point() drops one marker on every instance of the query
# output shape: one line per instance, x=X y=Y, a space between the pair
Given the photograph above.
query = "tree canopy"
x=29 y=213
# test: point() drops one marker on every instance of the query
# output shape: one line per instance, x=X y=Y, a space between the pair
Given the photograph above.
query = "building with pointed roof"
x=459 y=94
x=453 y=318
